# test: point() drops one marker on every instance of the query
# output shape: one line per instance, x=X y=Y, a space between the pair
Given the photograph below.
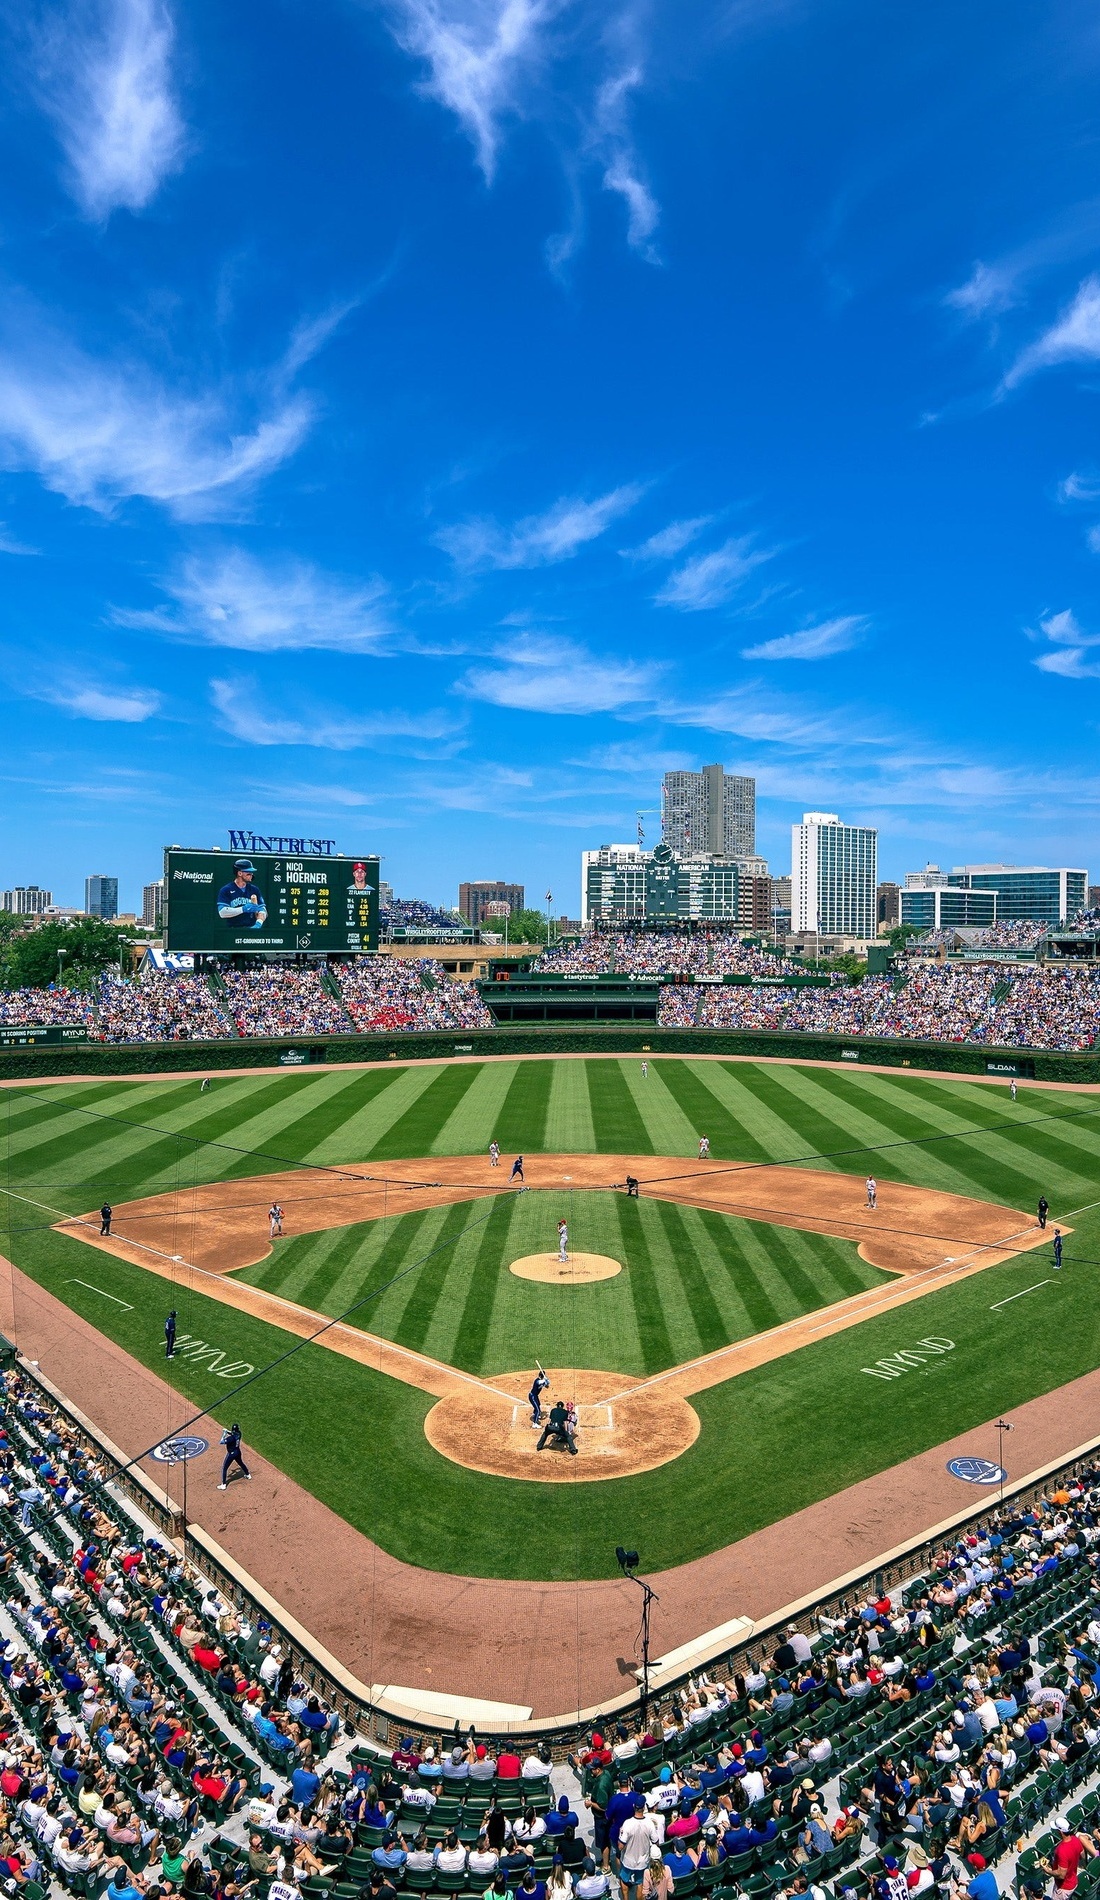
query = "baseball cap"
x=976 y=1860
x=890 y=1864
x=1061 y=1822
x=243 y=864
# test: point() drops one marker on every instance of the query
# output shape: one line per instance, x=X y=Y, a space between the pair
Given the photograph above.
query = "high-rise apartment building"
x=710 y=813
x=152 y=904
x=834 y=872
x=101 y=896
x=26 y=900
x=887 y=903
x=474 y=897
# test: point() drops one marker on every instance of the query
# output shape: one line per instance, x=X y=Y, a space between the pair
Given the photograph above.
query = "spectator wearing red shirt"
x=1067 y=1857
x=508 y=1764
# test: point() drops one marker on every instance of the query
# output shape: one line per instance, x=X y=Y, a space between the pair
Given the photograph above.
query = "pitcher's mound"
x=577 y=1269
x=619 y=1432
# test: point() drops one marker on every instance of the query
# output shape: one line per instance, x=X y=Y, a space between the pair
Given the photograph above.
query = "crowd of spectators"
x=160 y=1007
x=415 y=913
x=648 y=952
x=284 y=1000
x=1020 y=933
x=929 y=1739
x=408 y=993
x=49 y=1008
x=1047 y=1006
x=139 y=1710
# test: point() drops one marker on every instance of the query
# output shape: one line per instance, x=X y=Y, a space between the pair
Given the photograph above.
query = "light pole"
x=1002 y=1426
x=628 y=1563
x=549 y=901
x=61 y=955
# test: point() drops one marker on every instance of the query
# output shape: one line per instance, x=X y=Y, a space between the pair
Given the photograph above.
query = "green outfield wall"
x=594 y=1039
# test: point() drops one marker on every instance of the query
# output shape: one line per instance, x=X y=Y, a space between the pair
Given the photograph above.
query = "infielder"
x=494 y=1154
x=704 y=1147
x=275 y=1216
x=872 y=1192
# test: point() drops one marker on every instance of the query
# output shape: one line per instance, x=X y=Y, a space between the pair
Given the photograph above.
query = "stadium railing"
x=377 y=1719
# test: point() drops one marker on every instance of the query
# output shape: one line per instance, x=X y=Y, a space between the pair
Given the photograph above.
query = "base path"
x=222 y=1226
x=553 y=1647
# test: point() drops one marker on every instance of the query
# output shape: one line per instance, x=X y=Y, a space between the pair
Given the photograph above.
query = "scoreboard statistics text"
x=234 y=901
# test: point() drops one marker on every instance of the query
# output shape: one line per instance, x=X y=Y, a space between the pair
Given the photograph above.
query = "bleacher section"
x=130 y=1687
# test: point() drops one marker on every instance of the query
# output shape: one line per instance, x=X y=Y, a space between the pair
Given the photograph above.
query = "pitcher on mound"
x=563 y=1242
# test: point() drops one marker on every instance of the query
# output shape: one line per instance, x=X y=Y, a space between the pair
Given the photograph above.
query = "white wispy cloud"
x=100 y=432
x=104 y=71
x=233 y=600
x=547 y=675
x=537 y=540
x=1079 y=485
x=1073 y=338
x=249 y=712
x=812 y=643
x=990 y=288
x=668 y=542
x=1092 y=539
x=623 y=174
x=481 y=56
x=1070 y=644
x=11 y=544
x=81 y=698
x=712 y=580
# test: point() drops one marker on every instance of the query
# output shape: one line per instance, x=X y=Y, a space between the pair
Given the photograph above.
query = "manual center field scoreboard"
x=233 y=901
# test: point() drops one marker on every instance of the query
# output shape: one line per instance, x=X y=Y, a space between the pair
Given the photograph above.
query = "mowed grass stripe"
x=127 y=1161
x=707 y=1115
x=645 y=1290
x=83 y=1134
x=816 y=1136
x=777 y=1137
x=681 y=1234
x=433 y=1279
x=619 y=1127
x=469 y=1128
x=473 y=1323
x=805 y=1293
x=520 y=1126
x=413 y=1132
x=569 y=1127
x=1071 y=1148
x=862 y=1126
x=325 y=1135
x=837 y=1267
x=670 y=1131
x=970 y=1164
x=398 y=1088
x=759 y=1306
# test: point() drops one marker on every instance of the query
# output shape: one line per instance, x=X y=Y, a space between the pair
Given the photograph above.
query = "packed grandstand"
x=1053 y=1006
x=161 y=1737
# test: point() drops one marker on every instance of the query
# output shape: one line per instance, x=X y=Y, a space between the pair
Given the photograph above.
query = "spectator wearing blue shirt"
x=984 y=1884
x=305 y=1786
x=562 y=1816
x=680 y=1860
x=391 y=1855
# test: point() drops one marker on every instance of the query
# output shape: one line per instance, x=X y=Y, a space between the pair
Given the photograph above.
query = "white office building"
x=834 y=874
x=711 y=813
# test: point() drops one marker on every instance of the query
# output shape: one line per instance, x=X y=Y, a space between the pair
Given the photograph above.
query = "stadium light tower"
x=628 y=1563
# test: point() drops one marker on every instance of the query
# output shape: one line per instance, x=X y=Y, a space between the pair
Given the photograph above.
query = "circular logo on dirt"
x=177 y=1451
x=976 y=1471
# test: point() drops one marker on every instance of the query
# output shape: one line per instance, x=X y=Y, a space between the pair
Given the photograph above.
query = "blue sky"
x=422 y=421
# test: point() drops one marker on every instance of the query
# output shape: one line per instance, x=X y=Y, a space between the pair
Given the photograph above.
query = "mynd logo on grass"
x=910 y=1359
x=200 y=1353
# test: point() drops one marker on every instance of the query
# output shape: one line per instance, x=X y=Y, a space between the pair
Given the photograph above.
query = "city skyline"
x=437 y=423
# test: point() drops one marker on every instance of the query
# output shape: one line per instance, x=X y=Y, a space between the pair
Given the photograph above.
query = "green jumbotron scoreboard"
x=233 y=901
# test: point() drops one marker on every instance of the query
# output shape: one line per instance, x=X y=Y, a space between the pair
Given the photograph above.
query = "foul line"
x=100 y=1291
x=1019 y=1295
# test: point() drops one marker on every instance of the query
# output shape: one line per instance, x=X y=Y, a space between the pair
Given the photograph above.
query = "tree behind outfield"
x=30 y=958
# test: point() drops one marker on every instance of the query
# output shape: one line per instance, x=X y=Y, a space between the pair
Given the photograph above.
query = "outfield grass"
x=772 y=1440
x=694 y=1281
